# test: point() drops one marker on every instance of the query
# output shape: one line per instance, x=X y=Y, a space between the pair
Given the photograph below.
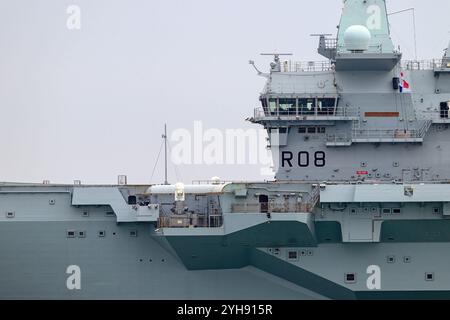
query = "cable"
x=157 y=160
x=177 y=173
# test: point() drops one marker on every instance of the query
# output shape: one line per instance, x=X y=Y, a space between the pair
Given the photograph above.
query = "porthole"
x=429 y=276
x=310 y=253
x=391 y=259
x=52 y=202
x=350 y=278
x=407 y=259
x=293 y=255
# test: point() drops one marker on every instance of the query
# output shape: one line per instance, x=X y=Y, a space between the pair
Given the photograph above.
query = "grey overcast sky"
x=90 y=104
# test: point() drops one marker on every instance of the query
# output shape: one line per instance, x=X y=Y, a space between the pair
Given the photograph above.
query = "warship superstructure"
x=359 y=208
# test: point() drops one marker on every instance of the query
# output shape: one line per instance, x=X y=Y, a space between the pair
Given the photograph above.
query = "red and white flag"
x=404 y=85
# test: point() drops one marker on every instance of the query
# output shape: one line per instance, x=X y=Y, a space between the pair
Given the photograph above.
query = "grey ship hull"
x=35 y=255
x=134 y=261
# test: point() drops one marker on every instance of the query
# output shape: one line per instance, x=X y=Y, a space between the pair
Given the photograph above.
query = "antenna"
x=414 y=25
x=276 y=56
x=164 y=136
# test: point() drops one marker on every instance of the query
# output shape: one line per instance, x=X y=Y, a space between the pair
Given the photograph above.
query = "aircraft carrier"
x=359 y=208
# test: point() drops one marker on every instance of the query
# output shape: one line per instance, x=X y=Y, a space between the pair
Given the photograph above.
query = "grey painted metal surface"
x=359 y=208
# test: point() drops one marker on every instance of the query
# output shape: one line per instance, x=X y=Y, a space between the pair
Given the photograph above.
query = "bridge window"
x=326 y=106
x=288 y=106
x=307 y=106
x=264 y=103
x=273 y=103
x=312 y=130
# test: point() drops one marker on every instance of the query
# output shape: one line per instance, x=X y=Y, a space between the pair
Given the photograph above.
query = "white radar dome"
x=357 y=38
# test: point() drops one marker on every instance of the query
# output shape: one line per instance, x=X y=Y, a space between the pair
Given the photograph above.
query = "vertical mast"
x=165 y=155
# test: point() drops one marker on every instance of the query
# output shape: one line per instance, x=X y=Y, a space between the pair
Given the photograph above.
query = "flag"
x=404 y=85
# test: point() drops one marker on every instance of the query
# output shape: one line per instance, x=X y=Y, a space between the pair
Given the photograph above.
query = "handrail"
x=260 y=113
x=425 y=64
x=362 y=133
x=307 y=66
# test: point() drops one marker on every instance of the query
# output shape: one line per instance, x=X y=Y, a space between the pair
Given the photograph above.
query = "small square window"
x=10 y=215
x=391 y=259
x=353 y=211
x=292 y=255
x=387 y=211
x=70 y=233
x=81 y=234
x=133 y=233
x=312 y=130
x=101 y=234
x=350 y=278
x=276 y=251
x=85 y=214
x=396 y=211
x=302 y=130
x=436 y=210
x=429 y=276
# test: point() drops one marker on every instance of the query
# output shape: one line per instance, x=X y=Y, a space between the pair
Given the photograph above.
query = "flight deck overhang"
x=385 y=193
x=367 y=61
x=111 y=196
